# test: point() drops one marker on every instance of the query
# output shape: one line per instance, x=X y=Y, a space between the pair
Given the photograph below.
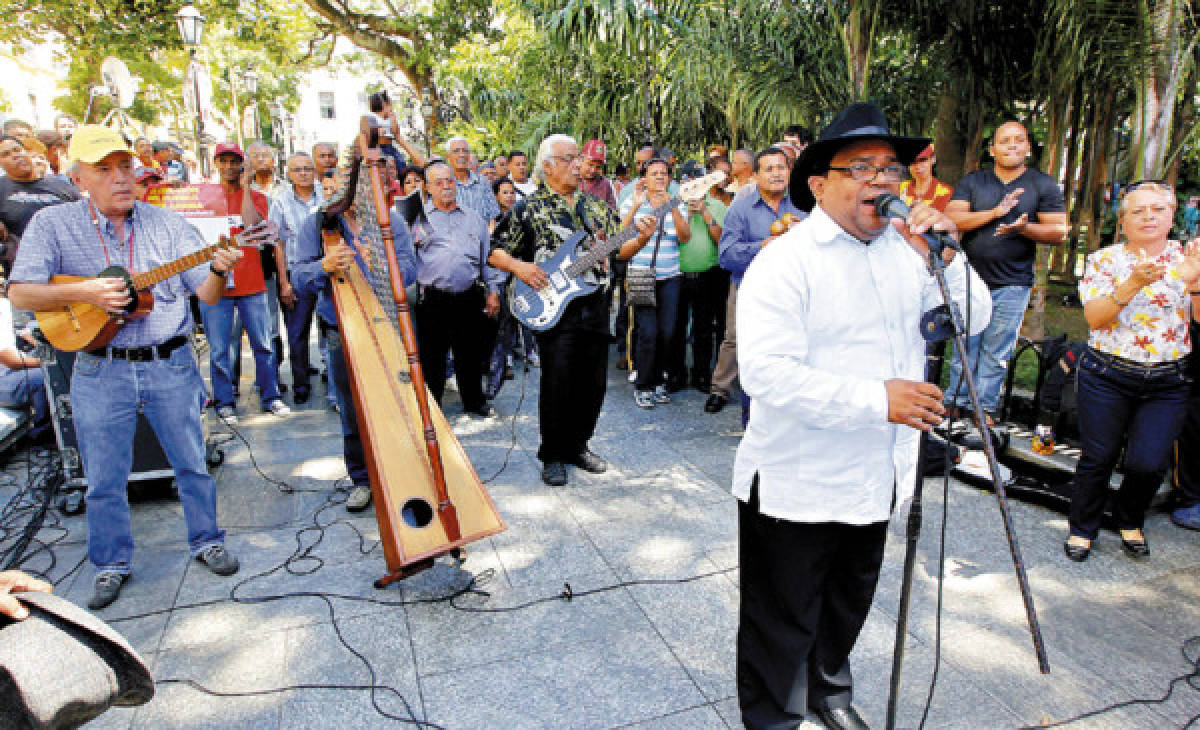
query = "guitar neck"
x=614 y=242
x=147 y=279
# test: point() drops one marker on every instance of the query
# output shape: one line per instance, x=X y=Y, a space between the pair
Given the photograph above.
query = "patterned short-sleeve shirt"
x=1153 y=327
x=537 y=226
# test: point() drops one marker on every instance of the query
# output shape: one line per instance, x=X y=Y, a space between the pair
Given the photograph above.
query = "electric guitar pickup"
x=541 y=309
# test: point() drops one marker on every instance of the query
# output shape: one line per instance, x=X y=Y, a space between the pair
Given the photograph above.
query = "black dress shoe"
x=1135 y=548
x=842 y=718
x=1078 y=553
x=554 y=473
x=589 y=462
x=715 y=403
x=300 y=397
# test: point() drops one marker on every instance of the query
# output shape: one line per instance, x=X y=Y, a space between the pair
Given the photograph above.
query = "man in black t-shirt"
x=23 y=193
x=1003 y=213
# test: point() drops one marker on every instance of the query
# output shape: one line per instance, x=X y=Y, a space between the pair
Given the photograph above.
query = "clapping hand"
x=1016 y=226
x=1146 y=271
x=1189 y=270
x=1010 y=201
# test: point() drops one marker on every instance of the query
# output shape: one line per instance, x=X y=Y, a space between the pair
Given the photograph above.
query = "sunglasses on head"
x=1158 y=184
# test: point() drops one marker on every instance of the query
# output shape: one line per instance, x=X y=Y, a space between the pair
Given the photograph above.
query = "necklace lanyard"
x=103 y=245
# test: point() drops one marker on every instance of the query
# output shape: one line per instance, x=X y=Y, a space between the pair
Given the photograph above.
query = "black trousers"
x=1187 y=455
x=703 y=303
x=806 y=590
x=454 y=322
x=574 y=376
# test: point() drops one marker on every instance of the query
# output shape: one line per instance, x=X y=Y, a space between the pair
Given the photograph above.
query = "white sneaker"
x=227 y=414
x=643 y=398
x=632 y=376
x=278 y=407
x=661 y=395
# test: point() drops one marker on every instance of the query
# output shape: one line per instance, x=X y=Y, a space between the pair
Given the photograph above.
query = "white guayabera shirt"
x=823 y=320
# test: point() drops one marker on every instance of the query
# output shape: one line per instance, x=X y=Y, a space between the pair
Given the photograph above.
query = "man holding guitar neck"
x=574 y=352
x=148 y=364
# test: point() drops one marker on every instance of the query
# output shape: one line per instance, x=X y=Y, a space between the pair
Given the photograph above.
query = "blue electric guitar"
x=540 y=309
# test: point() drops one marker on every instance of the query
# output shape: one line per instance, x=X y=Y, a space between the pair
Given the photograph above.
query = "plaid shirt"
x=62 y=240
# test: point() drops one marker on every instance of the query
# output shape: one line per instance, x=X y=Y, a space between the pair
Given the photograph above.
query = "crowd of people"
x=763 y=281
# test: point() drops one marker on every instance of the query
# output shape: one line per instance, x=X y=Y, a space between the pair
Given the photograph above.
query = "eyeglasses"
x=304 y=169
x=862 y=172
x=568 y=159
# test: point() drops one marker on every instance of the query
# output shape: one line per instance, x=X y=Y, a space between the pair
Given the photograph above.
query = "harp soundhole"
x=417 y=512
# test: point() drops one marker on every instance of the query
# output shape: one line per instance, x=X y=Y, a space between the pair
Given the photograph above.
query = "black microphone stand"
x=953 y=317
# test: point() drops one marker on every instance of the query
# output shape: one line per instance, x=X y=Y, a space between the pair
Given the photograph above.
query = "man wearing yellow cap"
x=148 y=364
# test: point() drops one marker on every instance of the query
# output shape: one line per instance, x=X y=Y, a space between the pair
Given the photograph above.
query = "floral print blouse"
x=1153 y=327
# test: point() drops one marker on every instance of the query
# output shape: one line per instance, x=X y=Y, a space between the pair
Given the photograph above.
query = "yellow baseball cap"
x=93 y=142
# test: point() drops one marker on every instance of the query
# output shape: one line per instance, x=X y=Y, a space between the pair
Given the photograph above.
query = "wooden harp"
x=429 y=501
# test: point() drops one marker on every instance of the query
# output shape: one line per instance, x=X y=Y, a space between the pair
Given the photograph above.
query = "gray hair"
x=545 y=152
x=457 y=139
x=294 y=155
x=259 y=143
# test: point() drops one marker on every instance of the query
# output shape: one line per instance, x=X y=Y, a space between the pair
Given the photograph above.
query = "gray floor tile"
x=611 y=681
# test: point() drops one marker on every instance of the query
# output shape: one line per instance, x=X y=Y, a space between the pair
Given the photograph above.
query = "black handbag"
x=640 y=282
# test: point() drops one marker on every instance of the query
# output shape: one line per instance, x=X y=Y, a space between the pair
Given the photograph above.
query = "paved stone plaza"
x=647 y=654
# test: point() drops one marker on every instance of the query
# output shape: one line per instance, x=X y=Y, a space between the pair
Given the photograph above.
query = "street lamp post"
x=191 y=30
x=427 y=116
x=251 y=79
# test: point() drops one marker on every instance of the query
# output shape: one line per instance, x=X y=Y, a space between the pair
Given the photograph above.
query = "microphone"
x=889 y=205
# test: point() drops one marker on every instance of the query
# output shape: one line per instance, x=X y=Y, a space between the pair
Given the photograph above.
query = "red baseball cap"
x=924 y=154
x=144 y=174
x=595 y=150
x=228 y=148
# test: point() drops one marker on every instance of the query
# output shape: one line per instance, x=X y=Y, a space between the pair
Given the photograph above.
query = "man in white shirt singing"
x=832 y=358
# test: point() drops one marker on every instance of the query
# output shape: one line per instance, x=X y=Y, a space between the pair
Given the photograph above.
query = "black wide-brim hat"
x=857 y=122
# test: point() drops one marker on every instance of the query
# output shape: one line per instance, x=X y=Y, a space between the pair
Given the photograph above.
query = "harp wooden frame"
x=410 y=449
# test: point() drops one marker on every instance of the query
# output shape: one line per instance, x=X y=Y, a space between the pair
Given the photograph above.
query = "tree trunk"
x=1035 y=318
x=1070 y=158
x=1157 y=91
x=1104 y=137
x=858 y=36
x=949 y=141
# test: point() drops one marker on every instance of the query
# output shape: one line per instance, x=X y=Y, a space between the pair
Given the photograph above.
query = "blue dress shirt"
x=310 y=279
x=747 y=223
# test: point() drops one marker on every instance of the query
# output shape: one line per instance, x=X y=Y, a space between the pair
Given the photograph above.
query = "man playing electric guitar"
x=574 y=352
x=148 y=364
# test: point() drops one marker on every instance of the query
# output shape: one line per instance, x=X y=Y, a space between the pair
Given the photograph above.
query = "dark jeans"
x=454 y=322
x=621 y=324
x=339 y=378
x=1187 y=455
x=298 y=320
x=655 y=330
x=510 y=334
x=1120 y=404
x=806 y=590
x=703 y=302
x=574 y=375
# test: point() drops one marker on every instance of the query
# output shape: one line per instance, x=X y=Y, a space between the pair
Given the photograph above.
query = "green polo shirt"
x=700 y=253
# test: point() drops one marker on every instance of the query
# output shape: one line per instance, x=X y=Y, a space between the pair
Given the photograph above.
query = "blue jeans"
x=989 y=351
x=655 y=330
x=218 y=326
x=339 y=378
x=299 y=321
x=24 y=389
x=106 y=395
x=1122 y=404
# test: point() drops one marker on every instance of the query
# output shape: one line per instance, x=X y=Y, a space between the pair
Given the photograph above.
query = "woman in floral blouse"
x=1138 y=300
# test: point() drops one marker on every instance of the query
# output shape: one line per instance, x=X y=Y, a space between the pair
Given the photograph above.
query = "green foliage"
x=272 y=34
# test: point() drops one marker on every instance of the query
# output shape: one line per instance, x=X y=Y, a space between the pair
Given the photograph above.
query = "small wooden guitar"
x=84 y=326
